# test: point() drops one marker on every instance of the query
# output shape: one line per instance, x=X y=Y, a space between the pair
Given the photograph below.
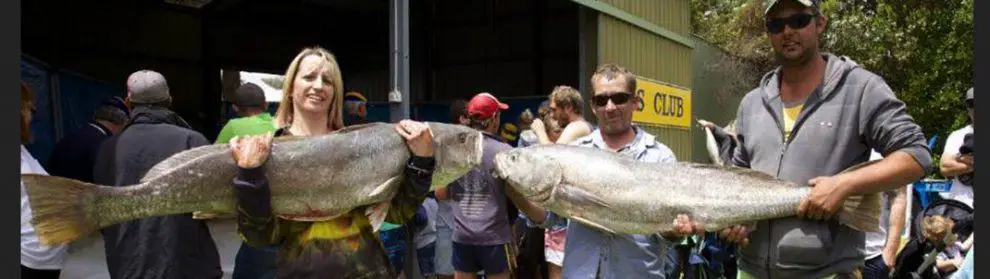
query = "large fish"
x=618 y=194
x=311 y=179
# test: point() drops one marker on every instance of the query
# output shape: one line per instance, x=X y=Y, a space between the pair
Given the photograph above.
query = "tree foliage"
x=922 y=48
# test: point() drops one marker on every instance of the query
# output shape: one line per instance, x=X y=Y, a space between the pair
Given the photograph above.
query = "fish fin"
x=862 y=213
x=583 y=197
x=859 y=166
x=591 y=224
x=376 y=214
x=60 y=207
x=387 y=188
x=181 y=158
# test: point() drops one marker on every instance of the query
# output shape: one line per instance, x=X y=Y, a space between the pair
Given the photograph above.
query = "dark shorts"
x=493 y=259
x=254 y=263
x=426 y=255
x=395 y=246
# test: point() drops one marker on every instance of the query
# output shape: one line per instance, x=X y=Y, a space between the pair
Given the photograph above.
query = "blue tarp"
x=79 y=97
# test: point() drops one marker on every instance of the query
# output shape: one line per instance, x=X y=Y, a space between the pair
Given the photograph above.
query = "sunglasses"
x=797 y=21
x=617 y=98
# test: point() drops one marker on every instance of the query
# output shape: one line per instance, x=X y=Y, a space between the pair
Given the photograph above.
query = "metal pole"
x=398 y=97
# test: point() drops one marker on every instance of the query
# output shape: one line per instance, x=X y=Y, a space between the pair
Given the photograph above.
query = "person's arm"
x=898 y=208
x=891 y=131
x=418 y=172
x=540 y=129
x=257 y=224
x=967 y=244
x=415 y=187
x=573 y=132
x=951 y=164
x=534 y=213
x=442 y=193
x=948 y=265
x=954 y=165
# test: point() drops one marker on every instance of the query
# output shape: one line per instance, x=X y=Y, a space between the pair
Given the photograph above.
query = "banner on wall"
x=662 y=104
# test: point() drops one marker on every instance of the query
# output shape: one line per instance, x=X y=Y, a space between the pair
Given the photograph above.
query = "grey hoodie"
x=852 y=112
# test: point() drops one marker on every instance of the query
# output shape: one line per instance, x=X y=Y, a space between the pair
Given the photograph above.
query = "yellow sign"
x=662 y=104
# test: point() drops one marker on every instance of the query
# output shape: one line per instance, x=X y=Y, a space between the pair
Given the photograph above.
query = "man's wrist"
x=847 y=185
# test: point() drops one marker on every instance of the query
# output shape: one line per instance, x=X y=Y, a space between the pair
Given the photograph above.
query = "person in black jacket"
x=173 y=246
x=75 y=154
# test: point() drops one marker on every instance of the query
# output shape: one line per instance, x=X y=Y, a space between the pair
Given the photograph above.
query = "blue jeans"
x=254 y=263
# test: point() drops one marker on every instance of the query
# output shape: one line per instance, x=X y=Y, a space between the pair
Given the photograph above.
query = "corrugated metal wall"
x=650 y=55
x=673 y=15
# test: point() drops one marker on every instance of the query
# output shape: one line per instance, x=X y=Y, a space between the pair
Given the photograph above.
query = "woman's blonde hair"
x=285 y=113
x=27 y=96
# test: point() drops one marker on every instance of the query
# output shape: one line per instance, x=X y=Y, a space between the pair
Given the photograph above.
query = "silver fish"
x=618 y=194
x=712 y=147
x=311 y=178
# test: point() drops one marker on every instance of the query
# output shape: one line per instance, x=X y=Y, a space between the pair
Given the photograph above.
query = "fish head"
x=457 y=150
x=531 y=173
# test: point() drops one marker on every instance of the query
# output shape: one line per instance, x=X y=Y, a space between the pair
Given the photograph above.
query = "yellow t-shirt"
x=790 y=116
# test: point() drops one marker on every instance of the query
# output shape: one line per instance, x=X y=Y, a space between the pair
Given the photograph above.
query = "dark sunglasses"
x=617 y=98
x=797 y=21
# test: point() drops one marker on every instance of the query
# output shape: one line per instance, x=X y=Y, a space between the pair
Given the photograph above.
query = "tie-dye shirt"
x=345 y=247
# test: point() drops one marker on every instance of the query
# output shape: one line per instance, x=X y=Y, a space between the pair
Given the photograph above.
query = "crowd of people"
x=814 y=116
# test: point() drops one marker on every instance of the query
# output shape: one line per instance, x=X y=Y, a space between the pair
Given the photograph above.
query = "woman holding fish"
x=343 y=247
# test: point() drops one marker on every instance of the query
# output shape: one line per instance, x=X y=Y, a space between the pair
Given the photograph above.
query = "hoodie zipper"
x=805 y=113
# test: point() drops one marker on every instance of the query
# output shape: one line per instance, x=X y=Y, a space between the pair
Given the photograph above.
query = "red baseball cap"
x=485 y=105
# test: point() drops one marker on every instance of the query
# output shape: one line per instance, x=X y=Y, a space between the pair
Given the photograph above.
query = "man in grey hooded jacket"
x=811 y=118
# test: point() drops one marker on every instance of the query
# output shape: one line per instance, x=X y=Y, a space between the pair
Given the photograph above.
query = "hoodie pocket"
x=803 y=244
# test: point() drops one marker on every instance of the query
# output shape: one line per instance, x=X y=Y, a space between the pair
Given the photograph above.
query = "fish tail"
x=61 y=207
x=862 y=212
